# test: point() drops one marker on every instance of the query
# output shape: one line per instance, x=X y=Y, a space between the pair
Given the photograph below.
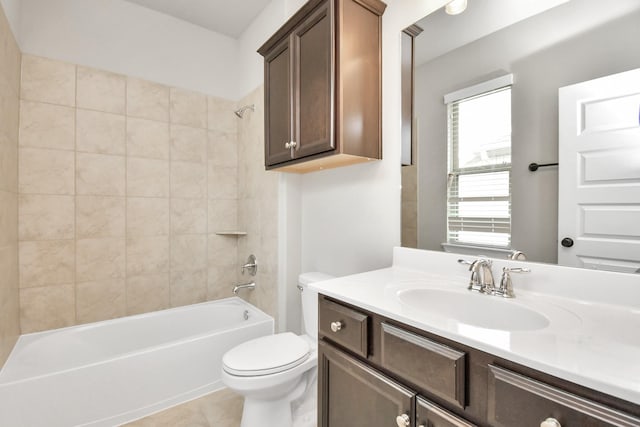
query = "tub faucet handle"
x=251 y=265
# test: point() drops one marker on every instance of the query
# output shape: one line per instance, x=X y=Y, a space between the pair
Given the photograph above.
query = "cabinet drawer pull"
x=336 y=326
x=403 y=420
x=550 y=422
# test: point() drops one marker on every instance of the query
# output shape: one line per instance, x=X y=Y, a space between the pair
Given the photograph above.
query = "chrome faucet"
x=481 y=275
x=506 y=286
x=251 y=286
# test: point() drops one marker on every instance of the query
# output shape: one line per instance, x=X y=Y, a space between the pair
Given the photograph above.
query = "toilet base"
x=263 y=413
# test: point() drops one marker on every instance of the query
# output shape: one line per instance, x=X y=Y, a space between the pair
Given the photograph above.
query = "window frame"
x=482 y=224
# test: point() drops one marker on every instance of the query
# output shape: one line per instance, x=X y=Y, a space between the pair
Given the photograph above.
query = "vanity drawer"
x=344 y=326
x=434 y=367
x=515 y=399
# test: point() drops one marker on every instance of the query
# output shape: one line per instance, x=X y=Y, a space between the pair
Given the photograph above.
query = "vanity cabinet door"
x=431 y=415
x=351 y=394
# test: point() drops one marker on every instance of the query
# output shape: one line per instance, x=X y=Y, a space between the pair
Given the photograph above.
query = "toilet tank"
x=309 y=300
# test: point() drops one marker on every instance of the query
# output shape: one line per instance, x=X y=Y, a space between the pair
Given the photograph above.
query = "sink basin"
x=474 y=309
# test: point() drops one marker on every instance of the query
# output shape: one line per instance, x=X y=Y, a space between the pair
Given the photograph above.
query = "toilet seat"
x=266 y=355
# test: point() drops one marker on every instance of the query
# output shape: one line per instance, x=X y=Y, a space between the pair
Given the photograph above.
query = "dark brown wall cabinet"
x=323 y=87
x=375 y=372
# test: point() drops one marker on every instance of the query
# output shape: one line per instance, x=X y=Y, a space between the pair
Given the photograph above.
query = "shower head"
x=240 y=111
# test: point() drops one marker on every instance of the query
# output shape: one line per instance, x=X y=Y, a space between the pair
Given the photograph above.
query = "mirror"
x=545 y=45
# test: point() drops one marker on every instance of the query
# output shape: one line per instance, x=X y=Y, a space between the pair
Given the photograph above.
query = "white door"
x=599 y=173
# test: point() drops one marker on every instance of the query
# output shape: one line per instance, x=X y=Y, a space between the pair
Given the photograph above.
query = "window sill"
x=480 y=251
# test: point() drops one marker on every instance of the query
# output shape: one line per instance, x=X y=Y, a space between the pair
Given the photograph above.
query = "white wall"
x=123 y=37
x=351 y=216
x=12 y=12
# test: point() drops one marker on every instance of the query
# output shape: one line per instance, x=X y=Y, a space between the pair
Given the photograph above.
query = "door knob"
x=403 y=420
x=567 y=242
x=550 y=422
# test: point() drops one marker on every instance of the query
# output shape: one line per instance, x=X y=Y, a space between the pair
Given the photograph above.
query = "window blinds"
x=479 y=181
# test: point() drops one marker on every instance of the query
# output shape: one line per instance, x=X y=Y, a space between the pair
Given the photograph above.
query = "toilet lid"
x=266 y=355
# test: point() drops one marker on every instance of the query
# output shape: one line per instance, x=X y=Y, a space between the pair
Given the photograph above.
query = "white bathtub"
x=108 y=373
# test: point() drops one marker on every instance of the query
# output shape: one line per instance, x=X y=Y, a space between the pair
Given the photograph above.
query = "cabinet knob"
x=336 y=326
x=550 y=422
x=291 y=144
x=403 y=420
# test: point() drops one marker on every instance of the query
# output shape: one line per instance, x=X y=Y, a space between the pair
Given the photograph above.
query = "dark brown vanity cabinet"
x=323 y=86
x=376 y=372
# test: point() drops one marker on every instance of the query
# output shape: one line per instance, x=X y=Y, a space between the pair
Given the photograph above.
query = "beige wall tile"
x=221 y=280
x=189 y=252
x=100 y=175
x=46 y=80
x=47 y=307
x=8 y=218
x=188 y=287
x=47 y=126
x=100 y=216
x=98 y=132
x=147 y=216
x=148 y=293
x=222 y=250
x=100 y=259
x=188 y=180
x=9 y=110
x=101 y=90
x=220 y=115
x=147 y=255
x=46 y=217
x=223 y=148
x=188 y=144
x=188 y=108
x=147 y=100
x=147 y=177
x=100 y=300
x=222 y=182
x=222 y=215
x=10 y=56
x=8 y=164
x=43 y=171
x=188 y=216
x=147 y=138
x=48 y=262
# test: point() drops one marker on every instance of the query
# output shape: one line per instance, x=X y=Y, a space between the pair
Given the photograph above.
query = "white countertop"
x=591 y=340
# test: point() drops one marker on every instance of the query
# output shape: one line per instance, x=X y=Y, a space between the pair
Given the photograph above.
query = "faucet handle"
x=506 y=285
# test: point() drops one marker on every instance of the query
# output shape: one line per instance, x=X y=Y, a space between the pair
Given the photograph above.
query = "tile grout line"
x=75 y=198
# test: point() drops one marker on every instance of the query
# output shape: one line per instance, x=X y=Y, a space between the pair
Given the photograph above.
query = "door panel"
x=314 y=64
x=599 y=173
x=277 y=70
x=352 y=394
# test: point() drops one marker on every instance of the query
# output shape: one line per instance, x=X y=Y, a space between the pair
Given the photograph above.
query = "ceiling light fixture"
x=455 y=7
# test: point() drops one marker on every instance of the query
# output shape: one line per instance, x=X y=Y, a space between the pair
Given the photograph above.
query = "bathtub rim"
x=264 y=317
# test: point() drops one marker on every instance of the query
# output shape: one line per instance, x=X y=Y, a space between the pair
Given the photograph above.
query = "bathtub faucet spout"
x=251 y=286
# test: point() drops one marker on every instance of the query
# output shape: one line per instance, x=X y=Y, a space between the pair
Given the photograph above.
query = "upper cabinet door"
x=314 y=59
x=277 y=71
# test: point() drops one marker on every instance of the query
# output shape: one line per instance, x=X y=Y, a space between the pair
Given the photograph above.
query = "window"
x=479 y=181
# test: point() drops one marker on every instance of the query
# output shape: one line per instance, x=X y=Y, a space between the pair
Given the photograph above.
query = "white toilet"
x=273 y=371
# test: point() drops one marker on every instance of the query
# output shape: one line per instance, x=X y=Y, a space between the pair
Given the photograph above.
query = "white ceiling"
x=482 y=17
x=230 y=18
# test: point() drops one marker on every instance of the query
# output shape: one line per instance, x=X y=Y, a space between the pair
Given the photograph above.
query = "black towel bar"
x=534 y=166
